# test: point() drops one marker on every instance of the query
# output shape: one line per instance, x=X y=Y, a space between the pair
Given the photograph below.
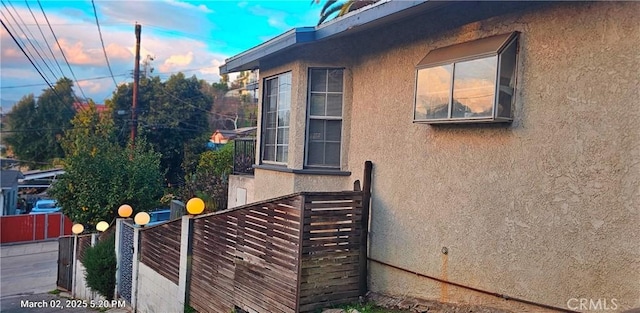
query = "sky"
x=193 y=37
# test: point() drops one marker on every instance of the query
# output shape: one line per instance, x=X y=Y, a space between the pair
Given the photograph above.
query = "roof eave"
x=249 y=60
x=385 y=11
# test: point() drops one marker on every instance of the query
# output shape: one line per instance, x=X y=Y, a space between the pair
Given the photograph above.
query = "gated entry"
x=65 y=262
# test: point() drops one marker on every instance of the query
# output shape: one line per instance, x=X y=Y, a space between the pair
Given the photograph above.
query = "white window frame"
x=454 y=55
x=277 y=126
x=323 y=117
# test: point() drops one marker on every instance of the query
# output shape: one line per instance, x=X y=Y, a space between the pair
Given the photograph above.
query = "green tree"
x=210 y=181
x=36 y=126
x=170 y=114
x=339 y=8
x=100 y=267
x=100 y=175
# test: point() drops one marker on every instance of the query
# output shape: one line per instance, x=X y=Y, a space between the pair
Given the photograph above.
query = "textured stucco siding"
x=546 y=209
x=156 y=293
x=240 y=181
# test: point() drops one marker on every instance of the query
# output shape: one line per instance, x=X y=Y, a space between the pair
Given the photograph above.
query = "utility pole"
x=136 y=82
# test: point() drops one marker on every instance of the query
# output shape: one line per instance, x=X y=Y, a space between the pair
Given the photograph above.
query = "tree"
x=100 y=175
x=36 y=126
x=337 y=8
x=210 y=181
x=234 y=109
x=100 y=267
x=170 y=113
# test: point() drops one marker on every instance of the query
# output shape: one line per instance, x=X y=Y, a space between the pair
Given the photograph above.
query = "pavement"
x=29 y=272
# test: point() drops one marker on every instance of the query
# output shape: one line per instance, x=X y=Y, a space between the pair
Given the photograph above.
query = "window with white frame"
x=468 y=82
x=324 y=124
x=276 y=109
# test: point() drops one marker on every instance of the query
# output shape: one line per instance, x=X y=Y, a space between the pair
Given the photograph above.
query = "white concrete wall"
x=81 y=289
x=156 y=294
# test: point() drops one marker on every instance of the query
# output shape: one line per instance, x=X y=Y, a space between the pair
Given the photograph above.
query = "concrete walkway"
x=28 y=268
x=28 y=272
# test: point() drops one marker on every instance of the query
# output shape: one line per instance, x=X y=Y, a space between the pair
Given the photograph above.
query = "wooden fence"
x=330 y=255
x=295 y=253
x=161 y=248
x=84 y=243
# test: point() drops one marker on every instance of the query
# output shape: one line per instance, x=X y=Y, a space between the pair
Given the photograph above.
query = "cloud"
x=115 y=51
x=177 y=61
x=275 y=18
x=202 y=7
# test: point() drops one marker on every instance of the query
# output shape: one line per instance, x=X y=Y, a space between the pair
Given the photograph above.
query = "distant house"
x=504 y=138
x=100 y=108
x=9 y=193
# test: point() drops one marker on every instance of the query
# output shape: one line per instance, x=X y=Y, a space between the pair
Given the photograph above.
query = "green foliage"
x=100 y=175
x=210 y=181
x=170 y=114
x=189 y=309
x=36 y=126
x=100 y=267
x=339 y=8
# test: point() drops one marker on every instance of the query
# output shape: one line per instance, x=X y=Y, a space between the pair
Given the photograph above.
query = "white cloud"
x=275 y=18
x=177 y=61
x=186 y=5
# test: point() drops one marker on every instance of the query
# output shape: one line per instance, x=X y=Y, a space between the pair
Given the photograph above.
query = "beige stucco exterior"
x=545 y=209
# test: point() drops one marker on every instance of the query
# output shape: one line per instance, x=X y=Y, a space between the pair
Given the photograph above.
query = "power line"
x=80 y=80
x=25 y=54
x=25 y=34
x=95 y=13
x=45 y=38
x=61 y=51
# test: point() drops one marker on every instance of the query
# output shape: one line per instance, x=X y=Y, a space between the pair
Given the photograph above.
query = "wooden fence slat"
x=289 y=254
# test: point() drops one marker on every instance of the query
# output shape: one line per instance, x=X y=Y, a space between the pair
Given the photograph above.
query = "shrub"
x=100 y=267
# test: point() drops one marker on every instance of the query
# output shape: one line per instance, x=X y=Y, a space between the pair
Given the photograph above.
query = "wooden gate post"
x=364 y=244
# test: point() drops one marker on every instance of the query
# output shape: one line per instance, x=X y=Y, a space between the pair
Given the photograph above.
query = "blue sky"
x=190 y=36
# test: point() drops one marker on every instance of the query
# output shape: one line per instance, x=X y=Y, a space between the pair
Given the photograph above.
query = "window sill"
x=314 y=171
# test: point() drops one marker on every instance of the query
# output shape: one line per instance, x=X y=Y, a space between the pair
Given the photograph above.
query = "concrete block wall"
x=156 y=293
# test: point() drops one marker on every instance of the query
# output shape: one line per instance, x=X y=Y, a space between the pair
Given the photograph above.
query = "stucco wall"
x=545 y=209
x=245 y=182
x=156 y=293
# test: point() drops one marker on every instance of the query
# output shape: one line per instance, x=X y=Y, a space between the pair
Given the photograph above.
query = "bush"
x=100 y=267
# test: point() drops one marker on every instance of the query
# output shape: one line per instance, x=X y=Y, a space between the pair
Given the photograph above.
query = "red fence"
x=32 y=227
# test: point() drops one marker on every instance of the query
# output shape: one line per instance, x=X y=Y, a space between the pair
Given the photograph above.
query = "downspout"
x=495 y=294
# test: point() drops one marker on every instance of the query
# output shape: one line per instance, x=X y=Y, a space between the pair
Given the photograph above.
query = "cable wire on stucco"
x=495 y=294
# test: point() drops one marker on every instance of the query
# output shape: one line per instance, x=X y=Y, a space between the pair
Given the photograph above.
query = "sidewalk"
x=127 y=309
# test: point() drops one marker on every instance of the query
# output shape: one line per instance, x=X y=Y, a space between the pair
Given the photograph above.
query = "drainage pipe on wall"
x=495 y=294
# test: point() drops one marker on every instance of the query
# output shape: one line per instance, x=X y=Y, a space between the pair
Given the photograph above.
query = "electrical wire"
x=80 y=80
x=95 y=13
x=62 y=52
x=25 y=54
x=45 y=38
x=25 y=50
x=27 y=37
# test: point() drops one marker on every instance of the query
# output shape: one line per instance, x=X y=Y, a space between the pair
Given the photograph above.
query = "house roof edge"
x=385 y=11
